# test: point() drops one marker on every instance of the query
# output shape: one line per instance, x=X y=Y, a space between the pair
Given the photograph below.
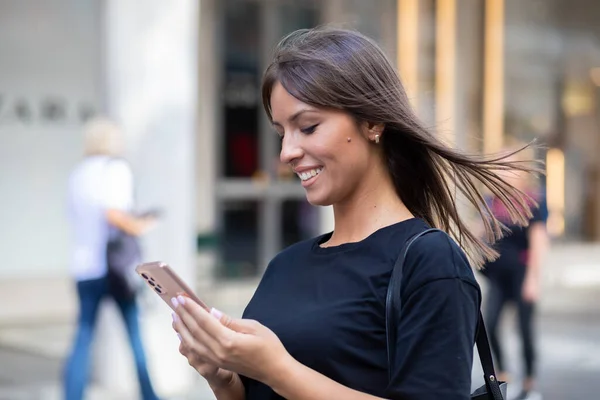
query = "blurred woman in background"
x=515 y=275
x=100 y=201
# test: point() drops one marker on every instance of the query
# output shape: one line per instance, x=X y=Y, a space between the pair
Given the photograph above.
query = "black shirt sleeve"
x=540 y=213
x=435 y=335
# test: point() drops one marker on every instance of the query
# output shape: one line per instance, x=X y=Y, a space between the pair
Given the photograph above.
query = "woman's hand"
x=531 y=289
x=242 y=346
x=216 y=377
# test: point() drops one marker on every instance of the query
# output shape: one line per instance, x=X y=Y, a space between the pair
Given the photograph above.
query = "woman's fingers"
x=191 y=316
x=186 y=336
x=205 y=327
x=199 y=362
x=196 y=356
x=194 y=350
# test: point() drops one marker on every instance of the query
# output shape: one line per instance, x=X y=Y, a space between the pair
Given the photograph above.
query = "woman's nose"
x=290 y=150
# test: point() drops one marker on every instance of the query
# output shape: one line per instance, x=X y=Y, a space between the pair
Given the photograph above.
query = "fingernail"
x=179 y=337
x=216 y=313
x=175 y=318
x=174 y=302
x=181 y=299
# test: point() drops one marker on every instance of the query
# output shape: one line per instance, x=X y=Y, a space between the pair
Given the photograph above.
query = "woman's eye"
x=279 y=135
x=309 y=129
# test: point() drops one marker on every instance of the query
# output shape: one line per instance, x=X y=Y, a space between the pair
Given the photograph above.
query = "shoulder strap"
x=393 y=300
x=393 y=306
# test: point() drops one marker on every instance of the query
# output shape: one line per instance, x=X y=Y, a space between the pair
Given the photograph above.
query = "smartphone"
x=152 y=213
x=166 y=283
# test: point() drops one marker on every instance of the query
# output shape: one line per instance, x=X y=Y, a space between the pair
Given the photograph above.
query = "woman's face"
x=327 y=149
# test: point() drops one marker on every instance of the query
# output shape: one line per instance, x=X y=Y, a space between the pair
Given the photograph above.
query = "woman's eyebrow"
x=296 y=115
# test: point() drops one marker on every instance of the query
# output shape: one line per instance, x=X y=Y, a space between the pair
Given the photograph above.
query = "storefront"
x=551 y=59
x=260 y=206
x=480 y=72
x=484 y=74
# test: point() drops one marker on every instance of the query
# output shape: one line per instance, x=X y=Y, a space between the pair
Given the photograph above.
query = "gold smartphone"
x=166 y=283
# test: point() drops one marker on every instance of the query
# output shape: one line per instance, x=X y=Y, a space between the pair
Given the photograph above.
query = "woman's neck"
x=373 y=207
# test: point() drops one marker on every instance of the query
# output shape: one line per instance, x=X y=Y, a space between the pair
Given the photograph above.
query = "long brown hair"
x=342 y=69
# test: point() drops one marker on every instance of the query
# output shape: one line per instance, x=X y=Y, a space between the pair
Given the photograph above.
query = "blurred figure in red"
x=515 y=276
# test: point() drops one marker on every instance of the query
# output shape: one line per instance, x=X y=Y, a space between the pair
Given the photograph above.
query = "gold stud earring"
x=377 y=139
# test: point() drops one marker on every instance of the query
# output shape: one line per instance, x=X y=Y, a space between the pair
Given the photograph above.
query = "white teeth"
x=309 y=174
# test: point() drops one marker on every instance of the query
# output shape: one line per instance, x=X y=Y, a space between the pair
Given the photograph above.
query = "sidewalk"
x=36 y=327
x=32 y=353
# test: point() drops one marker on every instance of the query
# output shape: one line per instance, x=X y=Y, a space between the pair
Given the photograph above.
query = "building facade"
x=183 y=79
x=482 y=73
x=485 y=75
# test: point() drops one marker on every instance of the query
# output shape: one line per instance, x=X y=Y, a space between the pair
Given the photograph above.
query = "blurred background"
x=182 y=78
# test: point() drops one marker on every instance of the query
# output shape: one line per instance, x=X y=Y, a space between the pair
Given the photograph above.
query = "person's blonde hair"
x=102 y=137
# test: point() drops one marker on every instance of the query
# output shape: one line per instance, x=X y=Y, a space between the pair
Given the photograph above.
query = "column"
x=269 y=228
x=333 y=11
x=445 y=71
x=493 y=75
x=469 y=75
x=209 y=129
x=407 y=43
x=151 y=68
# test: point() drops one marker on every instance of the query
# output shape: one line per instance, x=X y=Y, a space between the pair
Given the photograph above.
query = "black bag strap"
x=393 y=306
x=487 y=363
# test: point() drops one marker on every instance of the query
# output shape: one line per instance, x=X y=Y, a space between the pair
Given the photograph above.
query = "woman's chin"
x=318 y=199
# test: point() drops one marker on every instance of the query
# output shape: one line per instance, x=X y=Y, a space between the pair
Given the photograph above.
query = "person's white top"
x=97 y=184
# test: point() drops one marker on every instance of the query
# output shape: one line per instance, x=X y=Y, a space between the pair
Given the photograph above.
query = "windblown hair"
x=344 y=70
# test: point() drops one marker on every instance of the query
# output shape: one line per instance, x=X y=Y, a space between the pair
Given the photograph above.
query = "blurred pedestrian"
x=100 y=198
x=316 y=327
x=514 y=277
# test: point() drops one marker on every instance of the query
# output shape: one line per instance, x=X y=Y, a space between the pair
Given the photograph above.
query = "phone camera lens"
x=152 y=283
x=145 y=276
x=158 y=290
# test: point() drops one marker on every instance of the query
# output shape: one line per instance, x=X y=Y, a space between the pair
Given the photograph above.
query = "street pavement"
x=32 y=349
x=569 y=353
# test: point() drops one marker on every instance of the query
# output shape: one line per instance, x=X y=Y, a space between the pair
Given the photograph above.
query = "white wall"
x=151 y=71
x=48 y=50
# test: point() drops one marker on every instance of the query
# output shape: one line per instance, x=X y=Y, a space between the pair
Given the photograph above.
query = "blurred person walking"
x=100 y=198
x=514 y=277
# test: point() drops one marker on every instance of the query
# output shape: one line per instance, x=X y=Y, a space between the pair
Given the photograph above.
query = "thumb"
x=235 y=324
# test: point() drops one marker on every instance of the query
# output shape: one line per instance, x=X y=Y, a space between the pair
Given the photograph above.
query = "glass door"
x=261 y=207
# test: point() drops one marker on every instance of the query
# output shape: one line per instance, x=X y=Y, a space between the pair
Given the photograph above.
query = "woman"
x=101 y=200
x=315 y=328
x=515 y=276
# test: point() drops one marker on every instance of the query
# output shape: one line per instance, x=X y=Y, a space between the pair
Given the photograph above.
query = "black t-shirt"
x=327 y=306
x=514 y=245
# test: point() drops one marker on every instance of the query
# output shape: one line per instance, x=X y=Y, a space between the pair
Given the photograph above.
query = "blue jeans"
x=91 y=293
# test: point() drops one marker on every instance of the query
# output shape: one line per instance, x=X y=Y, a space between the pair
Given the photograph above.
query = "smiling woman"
x=316 y=325
x=311 y=139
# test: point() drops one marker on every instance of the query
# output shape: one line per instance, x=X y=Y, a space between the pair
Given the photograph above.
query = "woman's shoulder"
x=436 y=256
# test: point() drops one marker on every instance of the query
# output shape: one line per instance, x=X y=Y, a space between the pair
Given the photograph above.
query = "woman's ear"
x=375 y=131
